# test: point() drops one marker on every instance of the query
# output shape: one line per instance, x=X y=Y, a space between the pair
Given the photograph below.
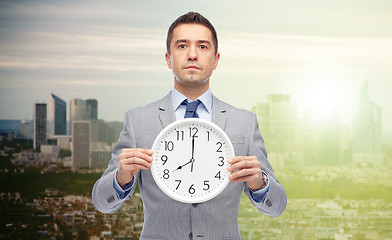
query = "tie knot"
x=191 y=108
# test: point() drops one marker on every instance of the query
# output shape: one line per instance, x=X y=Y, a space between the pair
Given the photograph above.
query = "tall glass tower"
x=39 y=125
x=57 y=116
x=78 y=111
x=367 y=132
x=92 y=106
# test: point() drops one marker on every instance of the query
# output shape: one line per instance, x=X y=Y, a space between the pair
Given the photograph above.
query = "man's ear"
x=217 y=56
x=168 y=61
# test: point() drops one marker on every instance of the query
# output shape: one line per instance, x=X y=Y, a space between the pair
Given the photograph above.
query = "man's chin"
x=196 y=83
x=192 y=80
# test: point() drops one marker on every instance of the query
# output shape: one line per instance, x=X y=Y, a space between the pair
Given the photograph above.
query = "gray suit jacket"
x=165 y=218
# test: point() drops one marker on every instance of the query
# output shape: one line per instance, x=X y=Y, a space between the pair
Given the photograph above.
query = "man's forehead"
x=192 y=32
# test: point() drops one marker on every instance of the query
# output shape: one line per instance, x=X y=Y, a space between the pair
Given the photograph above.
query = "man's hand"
x=249 y=170
x=130 y=161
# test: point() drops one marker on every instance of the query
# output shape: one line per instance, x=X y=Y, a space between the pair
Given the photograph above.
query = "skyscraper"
x=78 y=111
x=114 y=130
x=39 y=125
x=25 y=126
x=366 y=132
x=57 y=116
x=81 y=143
x=278 y=125
x=92 y=106
x=99 y=131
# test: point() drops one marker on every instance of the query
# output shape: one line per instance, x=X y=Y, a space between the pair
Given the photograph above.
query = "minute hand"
x=193 y=147
x=193 y=152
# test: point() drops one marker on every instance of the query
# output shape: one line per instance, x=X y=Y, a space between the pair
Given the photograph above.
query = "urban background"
x=317 y=75
x=338 y=179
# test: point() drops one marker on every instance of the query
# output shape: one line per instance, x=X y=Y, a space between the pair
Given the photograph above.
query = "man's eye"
x=203 y=47
x=182 y=46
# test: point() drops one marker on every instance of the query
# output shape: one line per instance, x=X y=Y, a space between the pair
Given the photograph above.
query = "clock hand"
x=193 y=151
x=193 y=146
x=179 y=167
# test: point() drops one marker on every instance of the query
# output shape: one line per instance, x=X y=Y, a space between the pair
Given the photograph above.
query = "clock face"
x=190 y=160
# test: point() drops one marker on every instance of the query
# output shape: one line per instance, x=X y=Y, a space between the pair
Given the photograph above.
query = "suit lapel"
x=166 y=112
x=219 y=116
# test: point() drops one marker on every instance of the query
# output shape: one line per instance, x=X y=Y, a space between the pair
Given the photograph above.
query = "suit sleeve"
x=104 y=195
x=275 y=200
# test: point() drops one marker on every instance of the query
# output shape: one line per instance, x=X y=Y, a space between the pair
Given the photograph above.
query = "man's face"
x=192 y=55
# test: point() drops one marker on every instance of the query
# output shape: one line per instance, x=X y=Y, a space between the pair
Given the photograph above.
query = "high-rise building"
x=114 y=130
x=25 y=127
x=100 y=158
x=92 y=106
x=367 y=135
x=39 y=125
x=99 y=131
x=278 y=125
x=57 y=115
x=81 y=143
x=78 y=111
x=64 y=142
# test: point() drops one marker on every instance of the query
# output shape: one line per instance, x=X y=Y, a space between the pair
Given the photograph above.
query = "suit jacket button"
x=268 y=203
x=110 y=199
x=190 y=235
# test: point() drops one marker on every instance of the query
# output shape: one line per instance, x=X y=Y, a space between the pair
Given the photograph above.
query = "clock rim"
x=156 y=142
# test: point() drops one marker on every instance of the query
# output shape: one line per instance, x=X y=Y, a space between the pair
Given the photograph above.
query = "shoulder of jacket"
x=145 y=109
x=230 y=108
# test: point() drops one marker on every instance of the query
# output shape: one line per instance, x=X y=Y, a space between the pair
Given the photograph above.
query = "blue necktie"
x=191 y=109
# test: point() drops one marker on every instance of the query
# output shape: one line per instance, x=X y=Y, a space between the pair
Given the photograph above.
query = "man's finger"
x=236 y=159
x=142 y=150
x=136 y=154
x=244 y=165
x=135 y=167
x=244 y=173
x=135 y=160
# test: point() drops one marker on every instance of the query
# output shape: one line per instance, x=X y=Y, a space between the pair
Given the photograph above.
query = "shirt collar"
x=178 y=98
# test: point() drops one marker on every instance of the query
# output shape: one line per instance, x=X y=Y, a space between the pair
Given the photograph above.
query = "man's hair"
x=194 y=18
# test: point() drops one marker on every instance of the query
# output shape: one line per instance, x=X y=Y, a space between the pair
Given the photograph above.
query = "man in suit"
x=192 y=55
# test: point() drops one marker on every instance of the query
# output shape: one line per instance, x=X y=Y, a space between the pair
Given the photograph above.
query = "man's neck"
x=192 y=93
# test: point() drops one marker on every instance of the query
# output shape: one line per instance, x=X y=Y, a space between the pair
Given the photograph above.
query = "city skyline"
x=289 y=139
x=87 y=110
x=114 y=52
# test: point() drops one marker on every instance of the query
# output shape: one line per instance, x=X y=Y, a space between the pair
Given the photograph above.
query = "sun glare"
x=323 y=99
x=322 y=92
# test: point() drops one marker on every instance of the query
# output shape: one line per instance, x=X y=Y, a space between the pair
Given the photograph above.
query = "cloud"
x=304 y=47
x=80 y=35
x=136 y=51
x=252 y=53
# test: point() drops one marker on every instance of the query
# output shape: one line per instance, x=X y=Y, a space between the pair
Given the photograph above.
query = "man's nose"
x=192 y=54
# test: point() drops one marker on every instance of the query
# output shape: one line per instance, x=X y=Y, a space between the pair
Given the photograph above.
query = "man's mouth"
x=192 y=67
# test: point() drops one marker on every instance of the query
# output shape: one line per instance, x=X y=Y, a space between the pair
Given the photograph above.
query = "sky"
x=319 y=52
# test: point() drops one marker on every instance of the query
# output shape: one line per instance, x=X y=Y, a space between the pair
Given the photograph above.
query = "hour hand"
x=179 y=167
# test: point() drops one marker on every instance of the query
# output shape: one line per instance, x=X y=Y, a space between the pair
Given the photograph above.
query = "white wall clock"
x=190 y=160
